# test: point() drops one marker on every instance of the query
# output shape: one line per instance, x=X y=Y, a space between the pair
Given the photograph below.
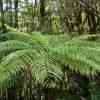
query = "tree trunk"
x=16 y=13
x=50 y=94
x=92 y=22
x=10 y=13
x=42 y=14
x=2 y=16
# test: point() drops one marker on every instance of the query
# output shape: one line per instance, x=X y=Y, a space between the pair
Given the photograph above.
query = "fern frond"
x=83 y=43
x=34 y=39
x=78 y=56
x=41 y=68
x=13 y=45
x=42 y=39
x=20 y=51
x=58 y=39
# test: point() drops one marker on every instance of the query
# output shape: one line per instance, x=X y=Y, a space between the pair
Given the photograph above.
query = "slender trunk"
x=2 y=16
x=10 y=13
x=7 y=13
x=42 y=14
x=92 y=22
x=34 y=15
x=11 y=94
x=16 y=13
x=50 y=94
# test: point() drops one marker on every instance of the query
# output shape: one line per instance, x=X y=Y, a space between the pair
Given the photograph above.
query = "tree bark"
x=2 y=16
x=42 y=14
x=16 y=13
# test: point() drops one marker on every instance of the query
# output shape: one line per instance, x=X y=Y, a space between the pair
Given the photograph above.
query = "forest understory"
x=49 y=49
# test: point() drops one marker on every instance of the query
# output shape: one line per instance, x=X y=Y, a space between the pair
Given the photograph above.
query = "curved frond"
x=79 y=56
x=19 y=52
x=33 y=39
x=13 y=45
x=40 y=38
x=24 y=59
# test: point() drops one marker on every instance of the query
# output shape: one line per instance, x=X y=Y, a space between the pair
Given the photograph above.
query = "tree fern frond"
x=78 y=56
x=25 y=37
x=23 y=59
x=83 y=43
x=21 y=51
x=42 y=39
x=13 y=45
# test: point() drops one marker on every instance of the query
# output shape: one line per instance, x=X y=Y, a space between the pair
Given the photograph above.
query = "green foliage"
x=19 y=52
x=57 y=39
x=22 y=51
x=32 y=38
x=37 y=36
x=26 y=59
x=11 y=46
x=79 y=56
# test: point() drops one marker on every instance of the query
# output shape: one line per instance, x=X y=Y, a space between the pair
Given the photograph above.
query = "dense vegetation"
x=51 y=16
x=49 y=50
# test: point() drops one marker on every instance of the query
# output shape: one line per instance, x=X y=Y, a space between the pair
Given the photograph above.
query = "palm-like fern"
x=35 y=39
x=79 y=56
x=20 y=51
x=18 y=54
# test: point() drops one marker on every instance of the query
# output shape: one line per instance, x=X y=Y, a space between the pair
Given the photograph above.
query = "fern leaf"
x=13 y=63
x=78 y=56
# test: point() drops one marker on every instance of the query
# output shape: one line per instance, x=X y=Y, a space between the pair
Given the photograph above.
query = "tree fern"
x=19 y=60
x=10 y=46
x=78 y=56
x=19 y=51
x=36 y=39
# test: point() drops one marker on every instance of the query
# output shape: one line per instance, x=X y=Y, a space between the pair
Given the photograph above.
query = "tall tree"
x=16 y=13
x=42 y=14
x=10 y=13
x=2 y=15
